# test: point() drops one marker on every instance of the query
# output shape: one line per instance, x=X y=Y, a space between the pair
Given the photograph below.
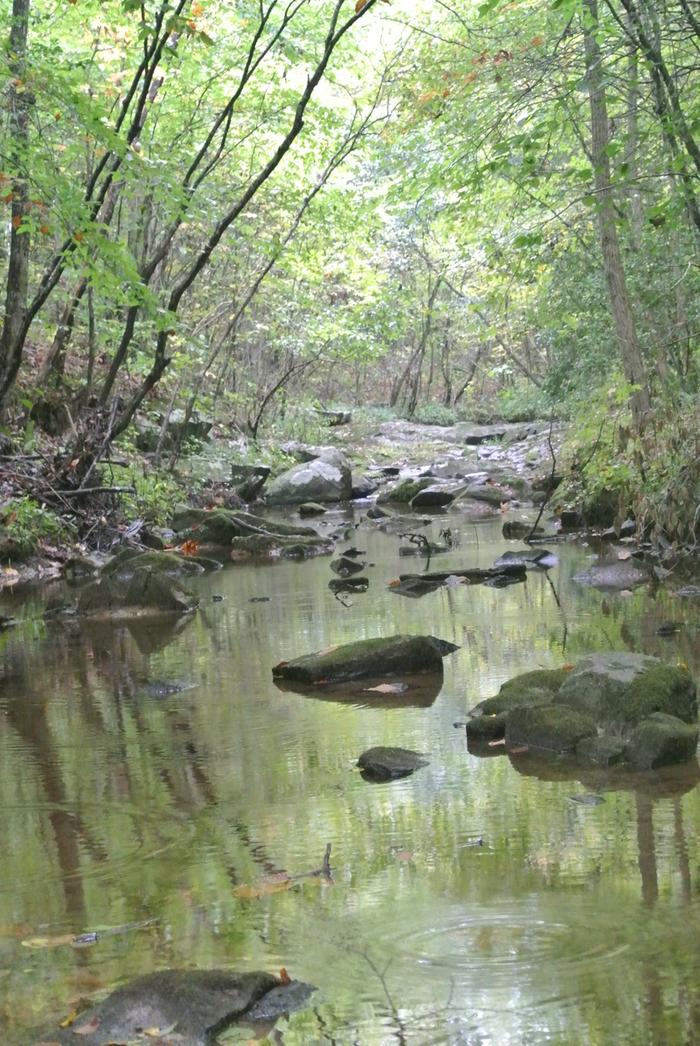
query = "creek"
x=155 y=775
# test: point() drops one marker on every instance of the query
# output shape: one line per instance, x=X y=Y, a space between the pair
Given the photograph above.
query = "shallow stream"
x=474 y=902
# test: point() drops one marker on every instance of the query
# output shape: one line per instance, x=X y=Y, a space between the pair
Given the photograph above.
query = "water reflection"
x=151 y=772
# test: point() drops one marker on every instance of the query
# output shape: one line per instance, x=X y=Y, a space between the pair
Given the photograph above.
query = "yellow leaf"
x=48 y=942
x=359 y=5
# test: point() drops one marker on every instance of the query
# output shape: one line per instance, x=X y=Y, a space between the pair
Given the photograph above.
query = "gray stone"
x=326 y=478
x=364 y=487
x=433 y=497
x=615 y=574
x=384 y=764
x=531 y=558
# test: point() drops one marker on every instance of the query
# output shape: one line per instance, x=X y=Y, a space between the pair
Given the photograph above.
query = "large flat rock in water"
x=367 y=658
x=191 y=1005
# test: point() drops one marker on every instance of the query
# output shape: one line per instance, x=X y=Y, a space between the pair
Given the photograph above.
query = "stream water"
x=474 y=902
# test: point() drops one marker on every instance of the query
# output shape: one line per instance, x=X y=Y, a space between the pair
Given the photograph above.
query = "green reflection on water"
x=473 y=902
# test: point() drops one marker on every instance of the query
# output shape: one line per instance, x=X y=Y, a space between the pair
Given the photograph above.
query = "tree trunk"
x=620 y=304
x=20 y=101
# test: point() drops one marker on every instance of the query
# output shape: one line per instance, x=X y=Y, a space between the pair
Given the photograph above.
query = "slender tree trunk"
x=20 y=101
x=620 y=304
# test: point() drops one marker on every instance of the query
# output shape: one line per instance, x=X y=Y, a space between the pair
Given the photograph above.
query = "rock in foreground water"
x=187 y=1007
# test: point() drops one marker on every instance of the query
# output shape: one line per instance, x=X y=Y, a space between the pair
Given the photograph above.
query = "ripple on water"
x=504 y=946
x=135 y=836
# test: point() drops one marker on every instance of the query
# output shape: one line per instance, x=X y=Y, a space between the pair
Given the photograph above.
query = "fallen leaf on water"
x=497 y=744
x=262 y=889
x=48 y=942
x=568 y=668
x=70 y=1019
x=157 y=1033
x=88 y=1028
x=386 y=688
x=394 y=583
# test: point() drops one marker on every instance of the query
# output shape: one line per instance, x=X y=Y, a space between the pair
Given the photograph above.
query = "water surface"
x=471 y=903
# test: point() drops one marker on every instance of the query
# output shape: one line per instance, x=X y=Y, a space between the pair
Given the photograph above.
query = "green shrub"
x=25 y=524
x=434 y=414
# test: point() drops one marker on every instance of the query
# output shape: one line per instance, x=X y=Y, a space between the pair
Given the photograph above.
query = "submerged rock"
x=515 y=528
x=270 y=546
x=616 y=574
x=344 y=566
x=193 y=1006
x=385 y=764
x=528 y=557
x=367 y=658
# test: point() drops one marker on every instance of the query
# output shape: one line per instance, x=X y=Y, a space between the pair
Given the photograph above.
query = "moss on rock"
x=549 y=727
x=367 y=658
x=661 y=740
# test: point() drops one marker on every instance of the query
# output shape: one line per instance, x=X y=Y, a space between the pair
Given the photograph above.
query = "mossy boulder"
x=367 y=658
x=404 y=491
x=270 y=546
x=612 y=710
x=602 y=751
x=548 y=727
x=146 y=593
x=487 y=727
x=127 y=561
x=311 y=508
x=624 y=687
x=529 y=689
x=661 y=740
x=219 y=527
